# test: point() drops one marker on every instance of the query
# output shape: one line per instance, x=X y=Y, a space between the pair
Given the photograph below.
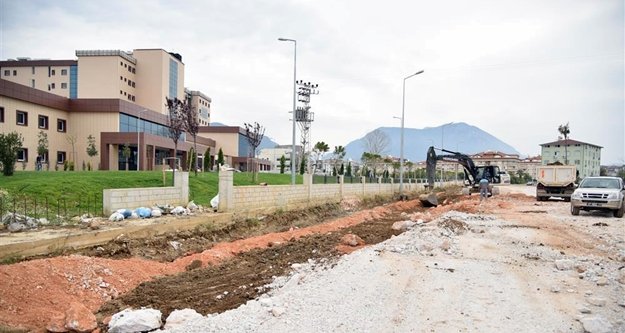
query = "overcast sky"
x=516 y=69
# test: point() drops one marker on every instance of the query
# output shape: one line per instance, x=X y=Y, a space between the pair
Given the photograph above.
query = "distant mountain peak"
x=461 y=137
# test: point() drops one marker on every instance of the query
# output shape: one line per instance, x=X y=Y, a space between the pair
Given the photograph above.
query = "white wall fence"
x=114 y=199
x=287 y=197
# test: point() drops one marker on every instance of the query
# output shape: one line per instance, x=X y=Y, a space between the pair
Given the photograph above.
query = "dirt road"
x=506 y=264
x=514 y=265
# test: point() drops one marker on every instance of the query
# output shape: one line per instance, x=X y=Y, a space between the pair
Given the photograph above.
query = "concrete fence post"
x=181 y=181
x=308 y=182
x=363 y=181
x=226 y=191
x=341 y=182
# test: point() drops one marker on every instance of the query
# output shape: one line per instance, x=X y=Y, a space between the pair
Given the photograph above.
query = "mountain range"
x=459 y=137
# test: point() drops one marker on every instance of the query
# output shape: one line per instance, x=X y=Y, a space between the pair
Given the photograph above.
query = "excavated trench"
x=181 y=277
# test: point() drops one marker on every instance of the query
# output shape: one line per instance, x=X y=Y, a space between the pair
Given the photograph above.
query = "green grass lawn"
x=78 y=192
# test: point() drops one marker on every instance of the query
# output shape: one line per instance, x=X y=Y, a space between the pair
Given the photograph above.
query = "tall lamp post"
x=401 y=144
x=138 y=139
x=294 y=104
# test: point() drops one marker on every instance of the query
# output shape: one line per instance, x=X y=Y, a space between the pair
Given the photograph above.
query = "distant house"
x=585 y=156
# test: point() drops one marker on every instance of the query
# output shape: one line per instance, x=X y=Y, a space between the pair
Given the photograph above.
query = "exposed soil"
x=208 y=270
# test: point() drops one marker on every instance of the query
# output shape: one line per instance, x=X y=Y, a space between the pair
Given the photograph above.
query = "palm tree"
x=565 y=131
x=319 y=149
x=339 y=154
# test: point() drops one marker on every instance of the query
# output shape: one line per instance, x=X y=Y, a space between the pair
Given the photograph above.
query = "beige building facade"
x=115 y=96
x=585 y=156
x=58 y=77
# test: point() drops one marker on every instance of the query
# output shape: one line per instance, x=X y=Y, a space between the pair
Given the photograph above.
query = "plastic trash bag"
x=215 y=201
x=143 y=212
x=116 y=217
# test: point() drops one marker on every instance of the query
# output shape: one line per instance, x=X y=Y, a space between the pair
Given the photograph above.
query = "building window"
x=121 y=78
x=22 y=118
x=125 y=65
x=125 y=80
x=121 y=92
x=7 y=72
x=61 y=125
x=60 y=157
x=121 y=63
x=133 y=84
x=53 y=72
x=129 y=69
x=63 y=71
x=133 y=98
x=22 y=155
x=129 y=83
x=64 y=85
x=32 y=83
x=1 y=114
x=43 y=122
x=133 y=70
x=14 y=72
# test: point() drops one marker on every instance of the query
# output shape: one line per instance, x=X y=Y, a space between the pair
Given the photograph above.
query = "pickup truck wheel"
x=575 y=210
x=619 y=212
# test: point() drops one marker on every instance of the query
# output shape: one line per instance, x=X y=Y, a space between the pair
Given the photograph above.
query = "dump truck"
x=555 y=181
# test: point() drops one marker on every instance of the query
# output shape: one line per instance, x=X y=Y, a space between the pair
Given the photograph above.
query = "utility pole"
x=305 y=117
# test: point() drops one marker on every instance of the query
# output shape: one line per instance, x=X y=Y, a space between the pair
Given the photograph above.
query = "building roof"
x=493 y=154
x=27 y=62
x=568 y=142
x=105 y=53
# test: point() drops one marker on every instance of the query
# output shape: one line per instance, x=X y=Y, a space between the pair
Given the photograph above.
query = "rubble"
x=130 y=320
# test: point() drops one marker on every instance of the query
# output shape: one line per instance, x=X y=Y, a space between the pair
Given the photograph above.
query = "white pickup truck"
x=599 y=193
x=555 y=181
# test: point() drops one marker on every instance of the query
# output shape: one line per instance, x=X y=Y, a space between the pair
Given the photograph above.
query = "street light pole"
x=401 y=144
x=138 y=139
x=294 y=104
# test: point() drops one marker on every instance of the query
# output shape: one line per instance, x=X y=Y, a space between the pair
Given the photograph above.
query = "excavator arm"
x=471 y=172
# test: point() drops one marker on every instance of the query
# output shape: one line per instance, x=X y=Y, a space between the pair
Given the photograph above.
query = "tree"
x=254 y=134
x=372 y=161
x=302 y=166
x=177 y=111
x=348 y=172
x=565 y=131
x=72 y=140
x=42 y=147
x=192 y=126
x=92 y=151
x=220 y=158
x=191 y=159
x=376 y=142
x=319 y=149
x=126 y=153
x=339 y=154
x=207 y=159
x=282 y=164
x=10 y=144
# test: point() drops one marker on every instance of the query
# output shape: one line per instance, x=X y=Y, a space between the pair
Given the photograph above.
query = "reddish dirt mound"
x=32 y=292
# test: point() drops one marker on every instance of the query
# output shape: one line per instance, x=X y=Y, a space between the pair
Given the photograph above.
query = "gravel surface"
x=525 y=267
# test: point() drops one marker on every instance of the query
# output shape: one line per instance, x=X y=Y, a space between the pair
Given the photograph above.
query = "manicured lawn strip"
x=76 y=192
